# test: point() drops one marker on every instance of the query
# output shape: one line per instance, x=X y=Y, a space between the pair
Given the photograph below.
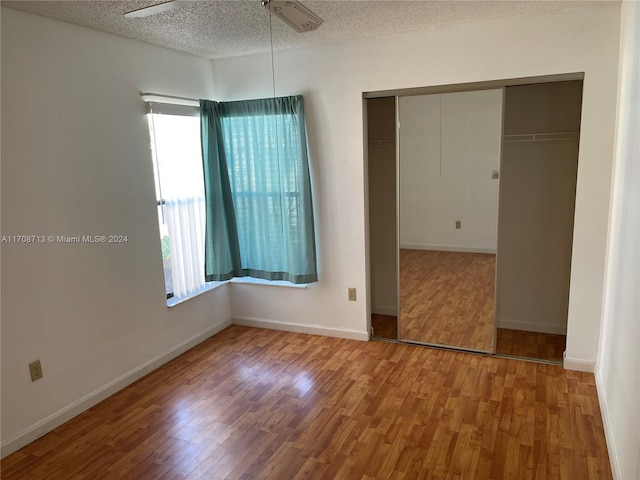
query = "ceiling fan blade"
x=162 y=7
x=294 y=14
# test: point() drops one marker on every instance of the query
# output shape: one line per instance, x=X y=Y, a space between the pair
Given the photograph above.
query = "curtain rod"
x=172 y=99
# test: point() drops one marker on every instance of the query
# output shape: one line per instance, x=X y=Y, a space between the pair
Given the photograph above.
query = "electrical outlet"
x=352 y=294
x=35 y=368
x=458 y=224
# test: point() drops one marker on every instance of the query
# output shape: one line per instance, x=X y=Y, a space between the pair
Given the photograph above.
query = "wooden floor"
x=384 y=326
x=541 y=346
x=515 y=343
x=251 y=403
x=447 y=298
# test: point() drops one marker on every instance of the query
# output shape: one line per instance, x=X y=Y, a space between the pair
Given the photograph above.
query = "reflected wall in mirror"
x=383 y=246
x=449 y=157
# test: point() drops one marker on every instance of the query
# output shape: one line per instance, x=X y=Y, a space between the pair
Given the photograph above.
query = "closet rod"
x=538 y=137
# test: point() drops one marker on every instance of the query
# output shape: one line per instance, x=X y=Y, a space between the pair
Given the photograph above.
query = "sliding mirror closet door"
x=449 y=157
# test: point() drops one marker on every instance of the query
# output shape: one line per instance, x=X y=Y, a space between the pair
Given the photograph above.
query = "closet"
x=537 y=200
x=471 y=195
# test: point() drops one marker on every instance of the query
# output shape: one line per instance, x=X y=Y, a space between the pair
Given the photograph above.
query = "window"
x=263 y=185
x=259 y=208
x=177 y=165
x=256 y=218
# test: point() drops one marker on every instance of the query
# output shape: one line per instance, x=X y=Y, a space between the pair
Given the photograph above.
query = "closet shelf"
x=538 y=137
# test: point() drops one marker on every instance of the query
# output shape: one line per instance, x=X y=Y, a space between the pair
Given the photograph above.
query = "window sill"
x=172 y=302
x=269 y=283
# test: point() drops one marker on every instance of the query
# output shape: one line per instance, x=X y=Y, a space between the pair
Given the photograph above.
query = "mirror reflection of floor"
x=447 y=298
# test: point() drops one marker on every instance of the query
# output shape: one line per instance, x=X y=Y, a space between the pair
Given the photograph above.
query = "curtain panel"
x=259 y=213
x=185 y=221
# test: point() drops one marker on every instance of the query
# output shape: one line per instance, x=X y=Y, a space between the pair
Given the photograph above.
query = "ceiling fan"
x=293 y=13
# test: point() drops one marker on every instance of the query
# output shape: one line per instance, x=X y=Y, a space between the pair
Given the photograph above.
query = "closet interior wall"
x=537 y=201
x=381 y=145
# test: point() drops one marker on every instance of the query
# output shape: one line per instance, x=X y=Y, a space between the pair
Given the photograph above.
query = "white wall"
x=332 y=78
x=76 y=160
x=449 y=147
x=618 y=368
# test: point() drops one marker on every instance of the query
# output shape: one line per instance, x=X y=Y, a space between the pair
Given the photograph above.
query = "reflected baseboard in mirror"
x=384 y=326
x=522 y=344
x=447 y=298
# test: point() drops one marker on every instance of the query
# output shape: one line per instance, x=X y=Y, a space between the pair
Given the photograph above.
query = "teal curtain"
x=222 y=250
x=258 y=191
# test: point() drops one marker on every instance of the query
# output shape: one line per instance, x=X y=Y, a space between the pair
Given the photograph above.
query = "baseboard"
x=447 y=248
x=531 y=326
x=300 y=328
x=608 y=433
x=579 y=364
x=47 y=424
x=392 y=311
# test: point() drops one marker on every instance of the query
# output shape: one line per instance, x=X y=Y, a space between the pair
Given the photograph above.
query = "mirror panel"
x=449 y=157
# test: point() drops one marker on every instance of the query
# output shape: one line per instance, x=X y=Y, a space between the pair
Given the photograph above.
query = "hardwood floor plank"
x=256 y=404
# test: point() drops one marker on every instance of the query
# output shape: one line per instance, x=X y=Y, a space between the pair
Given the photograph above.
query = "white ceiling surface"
x=229 y=28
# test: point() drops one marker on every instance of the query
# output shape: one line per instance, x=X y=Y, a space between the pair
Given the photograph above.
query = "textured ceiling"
x=228 y=28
